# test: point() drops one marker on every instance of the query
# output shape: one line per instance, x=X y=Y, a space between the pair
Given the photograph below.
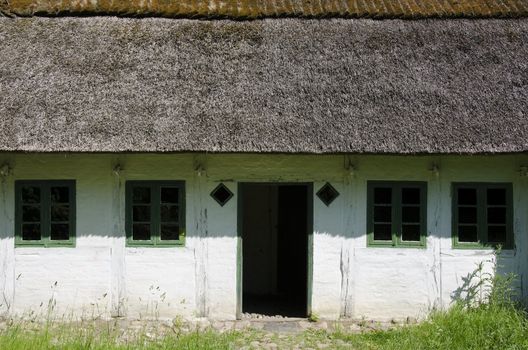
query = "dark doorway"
x=275 y=228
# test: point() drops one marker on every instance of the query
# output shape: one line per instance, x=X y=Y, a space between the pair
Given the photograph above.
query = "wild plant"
x=487 y=287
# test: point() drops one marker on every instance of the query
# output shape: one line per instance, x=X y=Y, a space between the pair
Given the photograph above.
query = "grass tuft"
x=483 y=327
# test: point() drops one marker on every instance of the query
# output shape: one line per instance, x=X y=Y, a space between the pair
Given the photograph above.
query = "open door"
x=275 y=232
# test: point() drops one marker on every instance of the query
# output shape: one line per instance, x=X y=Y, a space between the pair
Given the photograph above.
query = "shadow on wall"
x=489 y=276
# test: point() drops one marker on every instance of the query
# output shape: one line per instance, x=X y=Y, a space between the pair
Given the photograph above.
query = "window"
x=482 y=215
x=45 y=213
x=155 y=213
x=396 y=213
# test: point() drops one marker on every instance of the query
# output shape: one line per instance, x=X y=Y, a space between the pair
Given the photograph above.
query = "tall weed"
x=485 y=315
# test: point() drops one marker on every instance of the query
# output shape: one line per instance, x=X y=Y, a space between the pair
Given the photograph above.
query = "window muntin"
x=45 y=213
x=396 y=213
x=155 y=213
x=482 y=215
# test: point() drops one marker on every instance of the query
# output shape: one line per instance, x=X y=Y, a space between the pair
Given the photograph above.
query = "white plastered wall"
x=102 y=277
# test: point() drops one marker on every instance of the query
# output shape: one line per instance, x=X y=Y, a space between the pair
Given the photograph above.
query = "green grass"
x=483 y=327
x=68 y=337
x=486 y=326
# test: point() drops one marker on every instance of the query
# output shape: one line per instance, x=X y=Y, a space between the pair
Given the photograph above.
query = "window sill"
x=480 y=247
x=390 y=245
x=45 y=245
x=147 y=245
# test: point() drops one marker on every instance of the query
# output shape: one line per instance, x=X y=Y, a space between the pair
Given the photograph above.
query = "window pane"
x=411 y=214
x=496 y=215
x=382 y=232
x=410 y=195
x=169 y=213
x=30 y=194
x=496 y=196
x=411 y=233
x=497 y=234
x=59 y=232
x=382 y=195
x=382 y=214
x=31 y=213
x=467 y=234
x=170 y=232
x=141 y=213
x=169 y=195
x=141 y=232
x=467 y=215
x=60 y=213
x=141 y=195
x=467 y=196
x=60 y=194
x=31 y=232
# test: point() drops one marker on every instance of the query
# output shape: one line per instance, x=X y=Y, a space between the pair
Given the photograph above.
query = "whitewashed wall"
x=102 y=277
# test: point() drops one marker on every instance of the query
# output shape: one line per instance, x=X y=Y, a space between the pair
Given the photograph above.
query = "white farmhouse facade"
x=100 y=274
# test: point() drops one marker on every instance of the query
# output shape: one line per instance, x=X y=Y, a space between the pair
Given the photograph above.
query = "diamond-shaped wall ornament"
x=327 y=194
x=221 y=194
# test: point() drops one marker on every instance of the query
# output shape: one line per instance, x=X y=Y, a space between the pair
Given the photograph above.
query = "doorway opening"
x=276 y=226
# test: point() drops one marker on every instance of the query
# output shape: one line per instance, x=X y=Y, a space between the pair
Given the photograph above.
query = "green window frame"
x=482 y=215
x=396 y=214
x=45 y=209
x=155 y=213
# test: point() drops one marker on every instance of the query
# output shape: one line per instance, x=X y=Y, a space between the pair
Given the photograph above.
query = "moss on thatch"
x=251 y=9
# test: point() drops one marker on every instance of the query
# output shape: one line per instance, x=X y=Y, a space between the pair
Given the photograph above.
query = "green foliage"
x=485 y=315
x=492 y=327
x=43 y=337
x=313 y=317
x=481 y=288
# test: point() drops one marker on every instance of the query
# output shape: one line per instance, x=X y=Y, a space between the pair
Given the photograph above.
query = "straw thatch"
x=244 y=9
x=277 y=85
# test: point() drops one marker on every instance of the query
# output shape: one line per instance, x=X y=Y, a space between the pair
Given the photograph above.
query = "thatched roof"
x=243 y=9
x=276 y=85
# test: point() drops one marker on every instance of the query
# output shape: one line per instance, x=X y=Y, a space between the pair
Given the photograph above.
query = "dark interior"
x=275 y=249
